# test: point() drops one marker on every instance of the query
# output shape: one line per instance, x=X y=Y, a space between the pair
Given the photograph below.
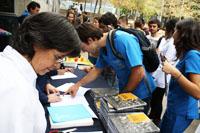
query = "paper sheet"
x=69 y=100
x=65 y=87
x=64 y=76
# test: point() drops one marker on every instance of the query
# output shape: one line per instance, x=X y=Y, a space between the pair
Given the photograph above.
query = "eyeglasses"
x=58 y=59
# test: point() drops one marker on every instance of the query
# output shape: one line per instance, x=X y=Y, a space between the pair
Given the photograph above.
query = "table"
x=99 y=82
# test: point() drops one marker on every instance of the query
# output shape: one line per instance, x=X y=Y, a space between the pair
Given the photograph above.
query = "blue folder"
x=68 y=113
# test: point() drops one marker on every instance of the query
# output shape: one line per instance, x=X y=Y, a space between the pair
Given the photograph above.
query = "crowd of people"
x=43 y=39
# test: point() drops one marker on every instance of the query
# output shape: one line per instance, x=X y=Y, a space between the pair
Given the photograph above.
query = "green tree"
x=146 y=7
x=182 y=8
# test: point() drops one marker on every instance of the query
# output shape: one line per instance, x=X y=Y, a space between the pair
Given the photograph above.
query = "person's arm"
x=42 y=96
x=137 y=74
x=190 y=85
x=92 y=75
x=51 y=89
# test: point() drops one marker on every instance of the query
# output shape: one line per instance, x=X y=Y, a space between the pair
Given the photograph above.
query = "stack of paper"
x=65 y=87
x=71 y=111
x=69 y=116
x=69 y=100
x=64 y=76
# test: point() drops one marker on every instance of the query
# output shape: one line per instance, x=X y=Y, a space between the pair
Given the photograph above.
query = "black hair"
x=139 y=23
x=124 y=19
x=87 y=30
x=32 y=5
x=109 y=19
x=169 y=27
x=188 y=36
x=85 y=18
x=155 y=21
x=97 y=18
x=47 y=31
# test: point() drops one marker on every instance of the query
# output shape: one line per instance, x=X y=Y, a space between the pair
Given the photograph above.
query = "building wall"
x=45 y=5
x=20 y=6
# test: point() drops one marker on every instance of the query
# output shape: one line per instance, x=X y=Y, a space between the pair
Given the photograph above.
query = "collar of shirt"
x=21 y=64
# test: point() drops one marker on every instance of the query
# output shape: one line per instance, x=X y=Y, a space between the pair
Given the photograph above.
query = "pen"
x=69 y=130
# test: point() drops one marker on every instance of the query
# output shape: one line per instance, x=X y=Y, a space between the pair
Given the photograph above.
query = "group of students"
x=45 y=38
x=181 y=49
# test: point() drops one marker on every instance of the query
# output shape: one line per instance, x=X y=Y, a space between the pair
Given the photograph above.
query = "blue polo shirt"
x=128 y=46
x=179 y=101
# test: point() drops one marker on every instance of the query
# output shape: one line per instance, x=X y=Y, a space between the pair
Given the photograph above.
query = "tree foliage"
x=165 y=8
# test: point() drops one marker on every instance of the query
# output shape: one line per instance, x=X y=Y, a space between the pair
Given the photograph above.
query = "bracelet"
x=178 y=77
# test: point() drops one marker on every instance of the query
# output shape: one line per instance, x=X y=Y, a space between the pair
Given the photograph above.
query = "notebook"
x=69 y=116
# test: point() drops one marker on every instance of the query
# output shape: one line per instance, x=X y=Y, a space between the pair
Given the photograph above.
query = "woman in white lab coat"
x=41 y=41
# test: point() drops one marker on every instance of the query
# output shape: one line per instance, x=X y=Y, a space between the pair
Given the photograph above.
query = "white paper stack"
x=64 y=76
x=71 y=111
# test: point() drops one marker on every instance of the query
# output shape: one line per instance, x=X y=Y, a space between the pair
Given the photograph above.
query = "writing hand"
x=51 y=89
x=52 y=98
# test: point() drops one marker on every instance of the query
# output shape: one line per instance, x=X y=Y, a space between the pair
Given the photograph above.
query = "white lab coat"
x=167 y=49
x=21 y=110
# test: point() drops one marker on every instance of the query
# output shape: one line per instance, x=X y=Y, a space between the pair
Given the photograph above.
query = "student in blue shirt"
x=130 y=72
x=32 y=8
x=184 y=89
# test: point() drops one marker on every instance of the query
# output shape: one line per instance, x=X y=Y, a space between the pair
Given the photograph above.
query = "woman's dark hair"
x=139 y=23
x=188 y=38
x=169 y=27
x=32 y=5
x=47 y=31
x=87 y=30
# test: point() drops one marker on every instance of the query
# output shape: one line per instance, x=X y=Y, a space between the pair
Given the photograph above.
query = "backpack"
x=150 y=57
x=159 y=41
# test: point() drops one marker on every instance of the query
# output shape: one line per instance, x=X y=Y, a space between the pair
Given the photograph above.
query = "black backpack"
x=159 y=41
x=150 y=59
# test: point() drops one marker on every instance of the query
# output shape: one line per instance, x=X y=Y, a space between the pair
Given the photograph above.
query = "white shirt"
x=21 y=110
x=167 y=49
x=153 y=40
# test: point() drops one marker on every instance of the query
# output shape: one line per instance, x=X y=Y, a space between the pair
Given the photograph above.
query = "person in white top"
x=41 y=41
x=166 y=49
